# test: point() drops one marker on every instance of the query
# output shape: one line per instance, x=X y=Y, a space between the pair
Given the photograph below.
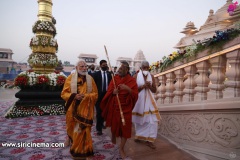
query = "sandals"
x=137 y=140
x=151 y=145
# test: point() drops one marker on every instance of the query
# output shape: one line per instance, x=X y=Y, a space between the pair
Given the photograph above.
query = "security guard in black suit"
x=102 y=79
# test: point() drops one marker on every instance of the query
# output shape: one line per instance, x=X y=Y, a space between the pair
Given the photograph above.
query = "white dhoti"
x=146 y=131
x=145 y=114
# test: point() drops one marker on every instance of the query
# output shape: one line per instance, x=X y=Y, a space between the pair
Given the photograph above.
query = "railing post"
x=157 y=84
x=189 y=83
x=217 y=77
x=179 y=85
x=233 y=75
x=202 y=80
x=161 y=90
x=170 y=87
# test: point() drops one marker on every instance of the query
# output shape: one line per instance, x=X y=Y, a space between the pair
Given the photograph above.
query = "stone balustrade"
x=199 y=103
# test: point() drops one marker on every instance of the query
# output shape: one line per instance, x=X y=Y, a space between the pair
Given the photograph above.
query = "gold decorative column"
x=44 y=47
x=45 y=10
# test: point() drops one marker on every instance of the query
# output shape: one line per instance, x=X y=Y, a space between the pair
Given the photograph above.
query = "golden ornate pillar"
x=44 y=47
x=45 y=10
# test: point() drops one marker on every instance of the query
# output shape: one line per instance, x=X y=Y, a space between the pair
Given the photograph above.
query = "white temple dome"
x=139 y=56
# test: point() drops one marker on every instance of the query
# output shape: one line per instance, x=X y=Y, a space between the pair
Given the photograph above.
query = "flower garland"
x=44 y=26
x=43 y=41
x=38 y=110
x=212 y=44
x=61 y=80
x=43 y=59
x=155 y=65
x=21 y=80
x=31 y=79
x=42 y=81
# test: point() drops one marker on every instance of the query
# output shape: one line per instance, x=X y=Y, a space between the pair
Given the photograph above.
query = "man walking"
x=145 y=114
x=127 y=92
x=80 y=94
x=102 y=79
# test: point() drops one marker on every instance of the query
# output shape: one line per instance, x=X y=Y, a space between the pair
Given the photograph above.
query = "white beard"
x=82 y=73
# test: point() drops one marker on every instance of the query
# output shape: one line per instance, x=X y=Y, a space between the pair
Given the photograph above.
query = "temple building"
x=133 y=63
x=129 y=60
x=7 y=65
x=89 y=58
x=139 y=57
x=199 y=98
x=22 y=67
x=220 y=20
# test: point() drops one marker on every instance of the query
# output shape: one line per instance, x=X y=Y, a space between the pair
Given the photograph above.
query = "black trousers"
x=100 y=120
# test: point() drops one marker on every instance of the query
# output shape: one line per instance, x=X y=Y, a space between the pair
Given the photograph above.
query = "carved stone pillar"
x=202 y=80
x=170 y=87
x=217 y=77
x=157 y=84
x=179 y=86
x=161 y=90
x=233 y=75
x=189 y=83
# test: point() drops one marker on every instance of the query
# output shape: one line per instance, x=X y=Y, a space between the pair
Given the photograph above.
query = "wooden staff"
x=119 y=104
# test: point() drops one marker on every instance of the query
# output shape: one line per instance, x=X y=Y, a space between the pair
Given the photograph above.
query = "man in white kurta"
x=145 y=114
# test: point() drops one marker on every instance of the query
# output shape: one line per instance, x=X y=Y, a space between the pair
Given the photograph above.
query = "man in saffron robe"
x=127 y=91
x=145 y=113
x=80 y=93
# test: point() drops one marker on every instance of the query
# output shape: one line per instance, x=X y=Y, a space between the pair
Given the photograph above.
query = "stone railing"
x=199 y=103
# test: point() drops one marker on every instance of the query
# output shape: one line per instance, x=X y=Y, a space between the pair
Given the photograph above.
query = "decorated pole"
x=43 y=58
x=119 y=104
x=40 y=86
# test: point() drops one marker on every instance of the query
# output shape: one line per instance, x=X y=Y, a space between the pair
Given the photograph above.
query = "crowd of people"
x=119 y=98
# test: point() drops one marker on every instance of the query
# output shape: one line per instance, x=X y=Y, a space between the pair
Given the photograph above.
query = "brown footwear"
x=151 y=145
x=137 y=140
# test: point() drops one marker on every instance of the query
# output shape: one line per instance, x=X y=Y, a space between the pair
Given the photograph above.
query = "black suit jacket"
x=97 y=76
x=91 y=73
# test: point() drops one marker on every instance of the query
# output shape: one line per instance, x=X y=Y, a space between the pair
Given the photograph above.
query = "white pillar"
x=179 y=85
x=217 y=77
x=161 y=90
x=233 y=75
x=202 y=80
x=170 y=87
x=189 y=83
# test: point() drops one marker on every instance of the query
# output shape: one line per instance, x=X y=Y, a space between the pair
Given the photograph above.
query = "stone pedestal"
x=38 y=97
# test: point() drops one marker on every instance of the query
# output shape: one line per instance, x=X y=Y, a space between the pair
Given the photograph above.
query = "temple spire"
x=190 y=29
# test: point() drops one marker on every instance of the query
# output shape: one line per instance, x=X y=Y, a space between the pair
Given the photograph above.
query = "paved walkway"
x=164 y=151
x=137 y=151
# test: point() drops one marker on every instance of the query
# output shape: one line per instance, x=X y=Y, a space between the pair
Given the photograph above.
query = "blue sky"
x=85 y=26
